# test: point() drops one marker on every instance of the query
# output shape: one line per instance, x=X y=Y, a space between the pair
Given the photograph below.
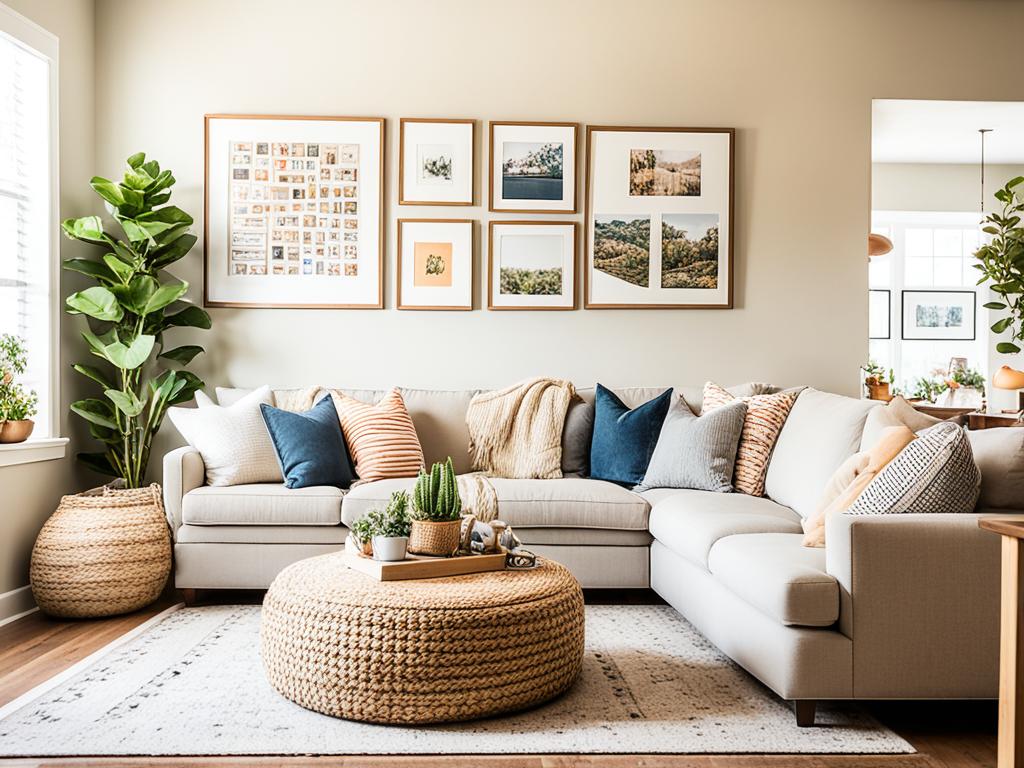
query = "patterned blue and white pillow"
x=934 y=473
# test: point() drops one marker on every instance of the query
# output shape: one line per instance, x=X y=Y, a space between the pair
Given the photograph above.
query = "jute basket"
x=102 y=553
x=439 y=538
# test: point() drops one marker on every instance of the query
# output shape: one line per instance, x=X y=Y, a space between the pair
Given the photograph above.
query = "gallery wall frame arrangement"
x=294 y=211
x=939 y=315
x=436 y=264
x=532 y=167
x=531 y=265
x=879 y=313
x=658 y=218
x=436 y=161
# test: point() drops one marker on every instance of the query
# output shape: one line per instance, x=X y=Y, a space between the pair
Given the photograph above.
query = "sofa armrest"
x=183 y=471
x=919 y=597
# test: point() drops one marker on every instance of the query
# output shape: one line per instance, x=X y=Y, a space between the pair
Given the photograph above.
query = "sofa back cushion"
x=999 y=454
x=440 y=419
x=821 y=432
x=693 y=395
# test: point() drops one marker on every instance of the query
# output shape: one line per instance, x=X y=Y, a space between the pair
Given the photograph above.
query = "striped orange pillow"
x=761 y=426
x=381 y=438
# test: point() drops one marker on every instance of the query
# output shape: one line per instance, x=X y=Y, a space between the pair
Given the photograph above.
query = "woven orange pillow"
x=765 y=416
x=381 y=438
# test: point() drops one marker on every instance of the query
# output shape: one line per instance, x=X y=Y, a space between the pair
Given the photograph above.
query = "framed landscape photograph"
x=294 y=212
x=531 y=265
x=942 y=315
x=532 y=167
x=879 y=313
x=435 y=264
x=658 y=218
x=436 y=161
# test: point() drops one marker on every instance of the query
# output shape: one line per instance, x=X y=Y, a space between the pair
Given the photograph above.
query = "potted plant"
x=362 y=532
x=17 y=405
x=1001 y=261
x=436 y=512
x=876 y=382
x=391 y=529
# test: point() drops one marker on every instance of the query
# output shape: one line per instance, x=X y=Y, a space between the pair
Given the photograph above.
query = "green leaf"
x=136 y=160
x=94 y=373
x=994 y=305
x=134 y=232
x=1007 y=348
x=96 y=302
x=137 y=178
x=168 y=254
x=104 y=435
x=159 y=199
x=190 y=385
x=95 y=411
x=184 y=354
x=1001 y=325
x=127 y=402
x=163 y=219
x=152 y=168
x=190 y=317
x=137 y=293
x=88 y=228
x=94 y=269
x=164 y=295
x=123 y=271
x=990 y=230
x=130 y=357
x=107 y=189
x=98 y=462
x=96 y=345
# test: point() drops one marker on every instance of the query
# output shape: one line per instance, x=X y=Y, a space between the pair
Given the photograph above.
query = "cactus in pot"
x=436 y=512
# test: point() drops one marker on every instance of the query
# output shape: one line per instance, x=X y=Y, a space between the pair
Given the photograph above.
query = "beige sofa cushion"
x=823 y=430
x=896 y=413
x=262 y=504
x=775 y=573
x=562 y=503
x=690 y=522
x=440 y=419
x=999 y=454
x=262 y=534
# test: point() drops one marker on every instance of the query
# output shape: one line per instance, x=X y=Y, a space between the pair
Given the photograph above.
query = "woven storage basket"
x=102 y=553
x=422 y=650
x=437 y=538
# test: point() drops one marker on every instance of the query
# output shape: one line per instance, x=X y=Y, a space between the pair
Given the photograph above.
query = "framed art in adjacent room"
x=294 y=211
x=435 y=161
x=879 y=313
x=659 y=227
x=939 y=315
x=531 y=265
x=532 y=167
x=435 y=264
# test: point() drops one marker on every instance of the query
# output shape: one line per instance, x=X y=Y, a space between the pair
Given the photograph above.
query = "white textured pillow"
x=233 y=440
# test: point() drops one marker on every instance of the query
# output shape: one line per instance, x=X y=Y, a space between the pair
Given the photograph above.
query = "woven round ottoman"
x=421 y=651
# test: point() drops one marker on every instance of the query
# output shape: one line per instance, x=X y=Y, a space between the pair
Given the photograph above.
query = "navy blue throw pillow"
x=624 y=439
x=310 y=446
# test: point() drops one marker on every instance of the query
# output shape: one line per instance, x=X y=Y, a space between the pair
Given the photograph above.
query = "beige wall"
x=937 y=186
x=30 y=492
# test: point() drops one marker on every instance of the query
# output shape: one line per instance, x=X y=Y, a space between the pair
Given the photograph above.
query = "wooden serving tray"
x=420 y=567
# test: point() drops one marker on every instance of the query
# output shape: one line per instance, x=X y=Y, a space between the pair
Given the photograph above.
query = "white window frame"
x=28 y=34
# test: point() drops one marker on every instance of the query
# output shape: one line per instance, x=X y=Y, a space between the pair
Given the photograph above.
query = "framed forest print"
x=532 y=167
x=531 y=265
x=294 y=211
x=435 y=264
x=658 y=218
x=435 y=161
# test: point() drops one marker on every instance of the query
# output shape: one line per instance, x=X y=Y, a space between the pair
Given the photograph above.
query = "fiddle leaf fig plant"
x=128 y=312
x=1001 y=262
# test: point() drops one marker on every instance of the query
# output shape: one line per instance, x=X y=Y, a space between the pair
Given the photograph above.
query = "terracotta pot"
x=16 y=431
x=435 y=538
x=879 y=392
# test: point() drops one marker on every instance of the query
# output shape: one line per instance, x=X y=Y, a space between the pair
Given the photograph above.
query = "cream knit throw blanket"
x=517 y=431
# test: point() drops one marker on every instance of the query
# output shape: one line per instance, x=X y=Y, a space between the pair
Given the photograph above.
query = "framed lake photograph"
x=435 y=264
x=941 y=315
x=294 y=212
x=879 y=313
x=532 y=167
x=531 y=265
x=658 y=221
x=436 y=161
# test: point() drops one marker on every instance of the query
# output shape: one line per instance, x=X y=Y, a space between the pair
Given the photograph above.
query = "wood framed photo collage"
x=295 y=215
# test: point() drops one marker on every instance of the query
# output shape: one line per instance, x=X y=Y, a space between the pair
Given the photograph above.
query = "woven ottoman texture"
x=421 y=651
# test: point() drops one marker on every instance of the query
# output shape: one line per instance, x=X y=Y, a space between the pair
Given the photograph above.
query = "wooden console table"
x=979 y=420
x=1010 y=752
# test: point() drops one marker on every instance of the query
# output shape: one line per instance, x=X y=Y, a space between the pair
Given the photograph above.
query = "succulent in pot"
x=390 y=528
x=362 y=533
x=17 y=405
x=436 y=512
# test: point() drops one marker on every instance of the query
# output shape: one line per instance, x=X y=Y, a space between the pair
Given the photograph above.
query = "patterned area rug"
x=192 y=684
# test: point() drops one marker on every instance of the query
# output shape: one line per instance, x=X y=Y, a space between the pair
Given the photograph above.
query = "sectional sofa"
x=896 y=606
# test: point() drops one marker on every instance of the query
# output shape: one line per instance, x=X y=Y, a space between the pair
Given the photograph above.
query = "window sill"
x=41 y=449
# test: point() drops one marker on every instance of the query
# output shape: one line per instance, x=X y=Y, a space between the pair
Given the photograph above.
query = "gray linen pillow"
x=696 y=452
x=576 y=436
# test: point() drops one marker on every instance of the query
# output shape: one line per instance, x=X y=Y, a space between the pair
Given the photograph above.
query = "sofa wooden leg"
x=805 y=712
x=189 y=595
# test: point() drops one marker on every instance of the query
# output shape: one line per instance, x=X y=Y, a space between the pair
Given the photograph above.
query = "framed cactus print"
x=294 y=212
x=435 y=264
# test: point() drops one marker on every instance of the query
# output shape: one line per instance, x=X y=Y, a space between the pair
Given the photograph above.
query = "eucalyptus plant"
x=128 y=313
x=1001 y=261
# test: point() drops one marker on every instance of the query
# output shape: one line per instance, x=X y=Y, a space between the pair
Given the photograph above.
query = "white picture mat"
x=511 y=234
x=966 y=300
x=363 y=289
x=460 y=235
x=460 y=137
x=609 y=195
x=534 y=134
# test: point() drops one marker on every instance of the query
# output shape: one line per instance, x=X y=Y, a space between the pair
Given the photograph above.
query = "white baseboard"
x=15 y=604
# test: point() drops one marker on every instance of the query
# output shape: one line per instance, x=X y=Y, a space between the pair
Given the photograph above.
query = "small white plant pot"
x=390 y=548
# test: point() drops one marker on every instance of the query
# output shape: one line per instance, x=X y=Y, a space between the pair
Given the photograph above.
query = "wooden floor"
x=946 y=734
